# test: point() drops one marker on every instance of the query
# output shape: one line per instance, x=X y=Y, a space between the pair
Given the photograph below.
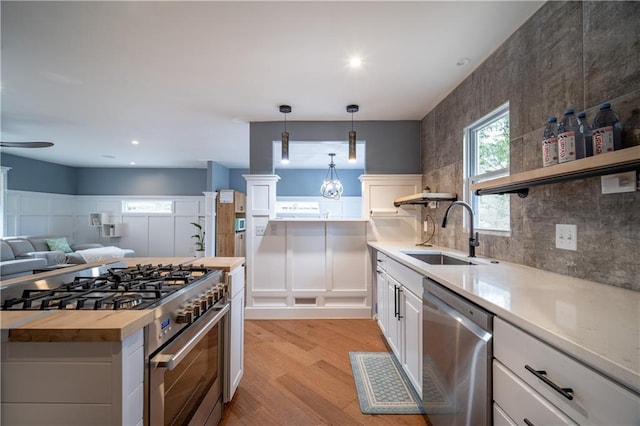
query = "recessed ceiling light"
x=463 y=61
x=355 y=62
x=133 y=163
x=134 y=142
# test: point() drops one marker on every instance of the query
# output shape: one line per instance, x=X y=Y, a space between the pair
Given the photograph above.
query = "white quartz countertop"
x=596 y=323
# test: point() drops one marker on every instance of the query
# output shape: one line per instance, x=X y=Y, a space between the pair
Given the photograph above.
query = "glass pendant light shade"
x=285 y=109
x=352 y=134
x=331 y=186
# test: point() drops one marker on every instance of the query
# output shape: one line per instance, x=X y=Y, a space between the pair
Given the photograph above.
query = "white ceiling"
x=186 y=78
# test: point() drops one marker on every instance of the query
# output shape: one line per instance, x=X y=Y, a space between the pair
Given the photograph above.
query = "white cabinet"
x=73 y=383
x=235 y=334
x=381 y=293
x=412 y=337
x=379 y=192
x=394 y=324
x=400 y=314
x=546 y=377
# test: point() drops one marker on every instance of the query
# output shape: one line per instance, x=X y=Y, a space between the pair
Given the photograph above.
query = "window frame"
x=125 y=203
x=470 y=153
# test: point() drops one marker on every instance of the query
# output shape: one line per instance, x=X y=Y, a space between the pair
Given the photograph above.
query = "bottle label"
x=549 y=152
x=566 y=147
x=602 y=140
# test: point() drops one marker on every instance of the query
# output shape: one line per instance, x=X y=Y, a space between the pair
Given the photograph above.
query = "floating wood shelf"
x=620 y=161
x=424 y=198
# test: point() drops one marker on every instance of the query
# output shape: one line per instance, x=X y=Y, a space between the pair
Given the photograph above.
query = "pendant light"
x=285 y=109
x=352 y=134
x=331 y=186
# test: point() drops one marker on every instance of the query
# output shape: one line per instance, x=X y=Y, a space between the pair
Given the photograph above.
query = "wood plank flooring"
x=297 y=372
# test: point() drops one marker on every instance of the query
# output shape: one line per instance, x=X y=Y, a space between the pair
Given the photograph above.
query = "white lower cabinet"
x=73 y=383
x=234 y=361
x=400 y=315
x=532 y=378
x=521 y=402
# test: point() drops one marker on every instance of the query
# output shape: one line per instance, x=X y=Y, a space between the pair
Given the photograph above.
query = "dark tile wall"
x=569 y=54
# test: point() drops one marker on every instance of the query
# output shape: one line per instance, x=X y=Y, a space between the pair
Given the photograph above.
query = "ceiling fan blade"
x=26 y=144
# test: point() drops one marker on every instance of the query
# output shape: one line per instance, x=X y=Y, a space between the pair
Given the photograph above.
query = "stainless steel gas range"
x=183 y=348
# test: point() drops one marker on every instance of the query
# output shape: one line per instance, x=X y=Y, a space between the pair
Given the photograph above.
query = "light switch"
x=567 y=237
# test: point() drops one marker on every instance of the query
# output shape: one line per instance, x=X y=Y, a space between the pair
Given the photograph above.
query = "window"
x=147 y=206
x=487 y=157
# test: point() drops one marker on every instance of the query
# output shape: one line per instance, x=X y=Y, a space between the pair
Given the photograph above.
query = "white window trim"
x=467 y=181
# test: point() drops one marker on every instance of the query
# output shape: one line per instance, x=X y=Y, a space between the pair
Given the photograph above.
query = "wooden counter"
x=80 y=326
x=92 y=326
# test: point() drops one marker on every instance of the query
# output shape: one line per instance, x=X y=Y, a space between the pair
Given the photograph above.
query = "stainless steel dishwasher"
x=457 y=350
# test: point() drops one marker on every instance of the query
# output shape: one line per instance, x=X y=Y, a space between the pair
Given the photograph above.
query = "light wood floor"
x=297 y=372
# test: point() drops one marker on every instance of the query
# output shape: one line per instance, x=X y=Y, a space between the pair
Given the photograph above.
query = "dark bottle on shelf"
x=550 y=143
x=631 y=130
x=585 y=130
x=606 y=130
x=570 y=141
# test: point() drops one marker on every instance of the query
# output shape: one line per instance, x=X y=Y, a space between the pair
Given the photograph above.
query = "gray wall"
x=391 y=146
x=110 y=181
x=217 y=176
x=300 y=182
x=39 y=176
x=568 y=54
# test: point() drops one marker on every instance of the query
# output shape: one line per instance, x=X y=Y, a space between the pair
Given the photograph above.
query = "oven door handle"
x=171 y=360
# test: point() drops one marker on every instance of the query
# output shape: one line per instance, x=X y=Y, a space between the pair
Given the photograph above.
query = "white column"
x=210 y=223
x=261 y=206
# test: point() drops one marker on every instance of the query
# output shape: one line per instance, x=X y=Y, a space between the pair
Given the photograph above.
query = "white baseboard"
x=307 y=313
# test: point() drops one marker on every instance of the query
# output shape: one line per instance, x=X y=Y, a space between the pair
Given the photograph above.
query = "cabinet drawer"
x=596 y=400
x=406 y=276
x=521 y=402
x=500 y=418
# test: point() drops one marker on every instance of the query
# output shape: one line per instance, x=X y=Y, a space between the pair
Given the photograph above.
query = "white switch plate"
x=567 y=237
x=425 y=226
x=621 y=182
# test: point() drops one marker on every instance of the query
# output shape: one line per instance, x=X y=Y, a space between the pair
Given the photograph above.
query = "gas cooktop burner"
x=136 y=287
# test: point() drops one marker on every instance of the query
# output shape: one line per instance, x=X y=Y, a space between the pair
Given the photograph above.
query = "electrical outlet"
x=260 y=229
x=567 y=237
x=425 y=226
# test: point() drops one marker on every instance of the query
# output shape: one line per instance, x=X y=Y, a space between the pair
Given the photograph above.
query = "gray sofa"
x=10 y=267
x=19 y=254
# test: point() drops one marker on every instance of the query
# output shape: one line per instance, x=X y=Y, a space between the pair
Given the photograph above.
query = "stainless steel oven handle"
x=171 y=361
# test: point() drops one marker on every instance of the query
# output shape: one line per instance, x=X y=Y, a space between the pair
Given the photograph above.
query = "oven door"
x=185 y=377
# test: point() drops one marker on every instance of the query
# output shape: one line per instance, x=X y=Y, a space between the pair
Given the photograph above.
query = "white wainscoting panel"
x=161 y=236
x=270 y=259
x=348 y=255
x=306 y=255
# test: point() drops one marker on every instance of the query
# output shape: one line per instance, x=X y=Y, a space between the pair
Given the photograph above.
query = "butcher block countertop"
x=91 y=326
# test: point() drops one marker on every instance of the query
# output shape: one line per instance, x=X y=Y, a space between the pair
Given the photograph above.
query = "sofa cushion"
x=15 y=268
x=7 y=253
x=59 y=244
x=21 y=246
x=52 y=257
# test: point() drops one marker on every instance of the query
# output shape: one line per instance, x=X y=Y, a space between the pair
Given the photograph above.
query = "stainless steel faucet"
x=473 y=237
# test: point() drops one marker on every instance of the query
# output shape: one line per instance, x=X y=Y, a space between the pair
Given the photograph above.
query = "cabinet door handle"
x=396 y=311
x=528 y=422
x=399 y=315
x=541 y=374
x=378 y=271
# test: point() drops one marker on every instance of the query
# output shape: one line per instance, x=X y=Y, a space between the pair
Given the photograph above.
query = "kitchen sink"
x=438 y=259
